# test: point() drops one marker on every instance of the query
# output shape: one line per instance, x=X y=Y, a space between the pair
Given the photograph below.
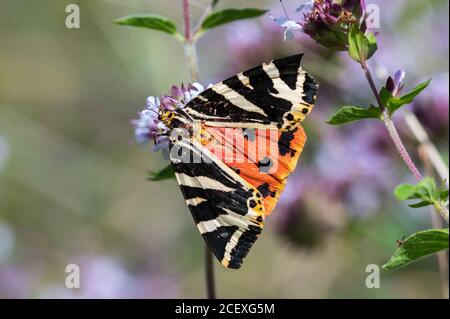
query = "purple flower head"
x=395 y=85
x=150 y=126
x=180 y=96
x=329 y=21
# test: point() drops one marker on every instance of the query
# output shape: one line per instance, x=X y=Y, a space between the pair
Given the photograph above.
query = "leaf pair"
x=426 y=192
x=349 y=114
x=215 y=19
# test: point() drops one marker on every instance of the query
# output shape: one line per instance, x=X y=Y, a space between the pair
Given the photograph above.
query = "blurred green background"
x=73 y=183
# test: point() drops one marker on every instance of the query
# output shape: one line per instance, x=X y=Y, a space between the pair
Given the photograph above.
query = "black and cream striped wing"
x=278 y=95
x=226 y=209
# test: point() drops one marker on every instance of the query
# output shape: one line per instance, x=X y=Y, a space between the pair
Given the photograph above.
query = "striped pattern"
x=229 y=202
x=219 y=201
x=278 y=95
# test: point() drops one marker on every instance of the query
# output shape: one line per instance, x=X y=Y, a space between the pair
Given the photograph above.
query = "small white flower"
x=290 y=26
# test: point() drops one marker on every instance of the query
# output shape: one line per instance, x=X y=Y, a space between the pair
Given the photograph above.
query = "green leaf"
x=354 y=113
x=417 y=246
x=426 y=191
x=443 y=195
x=408 y=98
x=150 y=21
x=358 y=45
x=164 y=174
x=219 y=18
x=373 y=46
x=393 y=103
x=419 y=205
x=405 y=192
x=386 y=97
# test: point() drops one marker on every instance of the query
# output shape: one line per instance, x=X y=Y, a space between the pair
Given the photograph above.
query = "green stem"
x=190 y=51
x=442 y=210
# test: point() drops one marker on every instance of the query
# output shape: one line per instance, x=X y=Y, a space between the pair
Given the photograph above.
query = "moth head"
x=166 y=117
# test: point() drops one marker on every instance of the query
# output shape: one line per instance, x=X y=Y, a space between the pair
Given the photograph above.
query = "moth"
x=232 y=148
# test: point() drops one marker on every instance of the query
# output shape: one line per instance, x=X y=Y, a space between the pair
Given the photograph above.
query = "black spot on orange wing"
x=265 y=190
x=284 y=142
x=265 y=165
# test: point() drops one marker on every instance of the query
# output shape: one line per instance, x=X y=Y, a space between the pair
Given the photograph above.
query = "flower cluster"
x=149 y=127
x=329 y=21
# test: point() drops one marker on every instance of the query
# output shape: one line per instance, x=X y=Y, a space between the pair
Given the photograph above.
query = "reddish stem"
x=187 y=20
x=400 y=146
x=390 y=126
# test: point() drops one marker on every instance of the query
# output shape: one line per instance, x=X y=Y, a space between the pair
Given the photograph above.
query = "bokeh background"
x=73 y=184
